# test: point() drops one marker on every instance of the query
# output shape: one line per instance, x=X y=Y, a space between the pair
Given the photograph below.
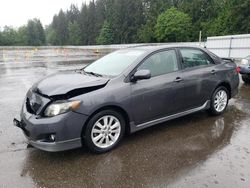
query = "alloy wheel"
x=220 y=100
x=106 y=131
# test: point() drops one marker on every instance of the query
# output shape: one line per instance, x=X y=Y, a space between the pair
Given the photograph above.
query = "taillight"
x=238 y=69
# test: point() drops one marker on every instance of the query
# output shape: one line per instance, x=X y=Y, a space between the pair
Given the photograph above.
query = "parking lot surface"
x=194 y=151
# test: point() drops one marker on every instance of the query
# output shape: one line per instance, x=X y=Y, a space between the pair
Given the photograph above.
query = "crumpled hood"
x=67 y=81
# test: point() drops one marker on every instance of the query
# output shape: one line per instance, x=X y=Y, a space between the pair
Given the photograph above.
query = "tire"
x=246 y=79
x=218 y=105
x=104 y=131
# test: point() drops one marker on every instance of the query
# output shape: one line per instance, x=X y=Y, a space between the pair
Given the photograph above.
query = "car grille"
x=35 y=103
x=32 y=108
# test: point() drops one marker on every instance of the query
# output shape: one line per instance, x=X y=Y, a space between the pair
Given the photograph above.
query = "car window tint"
x=160 y=63
x=193 y=58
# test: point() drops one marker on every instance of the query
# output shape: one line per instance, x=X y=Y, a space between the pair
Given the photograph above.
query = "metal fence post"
x=230 y=47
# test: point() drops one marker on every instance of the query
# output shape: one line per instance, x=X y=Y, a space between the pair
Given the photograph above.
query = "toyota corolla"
x=125 y=91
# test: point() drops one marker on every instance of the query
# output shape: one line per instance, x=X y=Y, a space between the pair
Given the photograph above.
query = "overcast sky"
x=17 y=12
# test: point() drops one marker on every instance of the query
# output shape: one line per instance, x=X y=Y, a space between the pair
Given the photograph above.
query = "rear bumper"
x=59 y=133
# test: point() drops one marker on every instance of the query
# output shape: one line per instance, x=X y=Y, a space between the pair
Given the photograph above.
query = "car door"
x=154 y=98
x=198 y=76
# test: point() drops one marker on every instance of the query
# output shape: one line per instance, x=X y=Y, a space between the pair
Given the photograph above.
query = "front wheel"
x=104 y=131
x=219 y=101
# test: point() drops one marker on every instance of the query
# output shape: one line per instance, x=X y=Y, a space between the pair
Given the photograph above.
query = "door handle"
x=213 y=71
x=178 y=79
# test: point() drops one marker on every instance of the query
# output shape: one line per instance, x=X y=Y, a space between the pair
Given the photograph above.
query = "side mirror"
x=141 y=75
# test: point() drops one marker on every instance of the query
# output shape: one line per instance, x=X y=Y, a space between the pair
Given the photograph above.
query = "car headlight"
x=61 y=107
x=244 y=62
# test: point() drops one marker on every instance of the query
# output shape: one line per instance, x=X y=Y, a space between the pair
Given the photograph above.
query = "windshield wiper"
x=93 y=73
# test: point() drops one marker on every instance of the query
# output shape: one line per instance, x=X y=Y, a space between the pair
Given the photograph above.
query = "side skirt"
x=135 y=128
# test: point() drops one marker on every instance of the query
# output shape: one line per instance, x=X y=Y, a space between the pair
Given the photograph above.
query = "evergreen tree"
x=83 y=23
x=73 y=13
x=125 y=17
x=106 y=34
x=51 y=36
x=131 y=21
x=35 y=33
x=60 y=27
x=40 y=32
x=1 y=38
x=91 y=24
x=100 y=14
x=9 y=36
x=22 y=36
x=74 y=33
x=152 y=9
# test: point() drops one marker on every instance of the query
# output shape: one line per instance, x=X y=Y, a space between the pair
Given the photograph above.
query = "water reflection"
x=151 y=158
x=218 y=128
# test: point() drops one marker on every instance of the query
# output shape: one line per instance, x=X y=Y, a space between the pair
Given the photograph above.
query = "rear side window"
x=160 y=63
x=193 y=58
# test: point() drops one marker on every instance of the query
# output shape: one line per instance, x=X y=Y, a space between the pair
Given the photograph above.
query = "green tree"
x=35 y=33
x=232 y=18
x=60 y=27
x=9 y=36
x=73 y=13
x=91 y=24
x=51 y=36
x=100 y=14
x=130 y=21
x=1 y=38
x=83 y=23
x=74 y=33
x=22 y=36
x=203 y=13
x=173 y=26
x=239 y=15
x=151 y=9
x=40 y=31
x=125 y=18
x=106 y=34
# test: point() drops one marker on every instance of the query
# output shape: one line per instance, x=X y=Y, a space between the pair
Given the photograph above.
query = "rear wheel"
x=219 y=101
x=104 y=131
x=246 y=79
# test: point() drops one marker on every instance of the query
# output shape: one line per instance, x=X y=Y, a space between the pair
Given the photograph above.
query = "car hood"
x=71 y=83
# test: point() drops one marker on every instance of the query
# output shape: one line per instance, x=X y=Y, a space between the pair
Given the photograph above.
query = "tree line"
x=135 y=21
x=32 y=34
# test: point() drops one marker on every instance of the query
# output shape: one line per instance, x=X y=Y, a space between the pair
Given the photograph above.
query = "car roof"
x=150 y=48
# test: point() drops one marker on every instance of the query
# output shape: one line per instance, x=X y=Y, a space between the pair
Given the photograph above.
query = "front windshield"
x=114 y=63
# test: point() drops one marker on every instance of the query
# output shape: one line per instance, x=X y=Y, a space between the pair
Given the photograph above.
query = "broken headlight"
x=61 y=107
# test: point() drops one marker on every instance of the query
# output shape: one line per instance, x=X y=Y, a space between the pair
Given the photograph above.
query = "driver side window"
x=160 y=63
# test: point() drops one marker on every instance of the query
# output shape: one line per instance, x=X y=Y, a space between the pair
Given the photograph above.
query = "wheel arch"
x=227 y=86
x=110 y=107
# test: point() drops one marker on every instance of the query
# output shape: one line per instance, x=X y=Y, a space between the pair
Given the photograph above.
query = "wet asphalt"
x=194 y=151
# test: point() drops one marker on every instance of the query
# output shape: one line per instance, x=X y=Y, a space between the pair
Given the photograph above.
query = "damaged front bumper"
x=59 y=133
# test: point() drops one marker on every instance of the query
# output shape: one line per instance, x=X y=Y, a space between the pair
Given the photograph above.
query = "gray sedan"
x=125 y=91
x=245 y=69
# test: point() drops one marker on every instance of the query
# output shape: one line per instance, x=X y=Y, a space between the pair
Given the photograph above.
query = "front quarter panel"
x=114 y=94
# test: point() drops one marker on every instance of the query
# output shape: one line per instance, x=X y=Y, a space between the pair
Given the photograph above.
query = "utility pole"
x=200 y=38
